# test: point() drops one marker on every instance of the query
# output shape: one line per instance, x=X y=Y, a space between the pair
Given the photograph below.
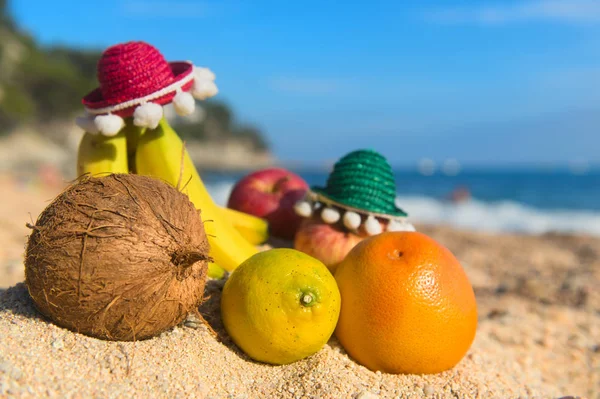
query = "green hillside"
x=39 y=85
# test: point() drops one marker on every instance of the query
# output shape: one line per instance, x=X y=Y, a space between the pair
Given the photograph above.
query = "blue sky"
x=480 y=81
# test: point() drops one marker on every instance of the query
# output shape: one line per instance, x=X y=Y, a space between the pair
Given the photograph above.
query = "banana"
x=133 y=134
x=160 y=153
x=252 y=228
x=215 y=271
x=98 y=154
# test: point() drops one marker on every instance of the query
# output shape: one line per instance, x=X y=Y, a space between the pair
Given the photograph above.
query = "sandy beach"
x=538 y=333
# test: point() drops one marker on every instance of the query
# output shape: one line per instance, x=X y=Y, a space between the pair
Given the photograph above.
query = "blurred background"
x=487 y=110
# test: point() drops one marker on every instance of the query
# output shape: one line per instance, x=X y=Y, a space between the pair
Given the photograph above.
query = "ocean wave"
x=501 y=216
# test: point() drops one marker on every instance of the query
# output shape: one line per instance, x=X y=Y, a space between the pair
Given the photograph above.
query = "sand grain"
x=538 y=335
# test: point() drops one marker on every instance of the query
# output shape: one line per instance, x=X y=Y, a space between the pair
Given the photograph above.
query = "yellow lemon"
x=280 y=306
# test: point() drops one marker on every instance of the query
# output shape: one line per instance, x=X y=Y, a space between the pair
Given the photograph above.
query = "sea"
x=522 y=200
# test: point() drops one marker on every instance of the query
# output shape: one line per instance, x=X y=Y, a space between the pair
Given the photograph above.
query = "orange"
x=407 y=305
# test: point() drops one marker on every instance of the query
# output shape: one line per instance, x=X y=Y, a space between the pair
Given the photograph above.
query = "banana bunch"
x=254 y=229
x=160 y=153
x=98 y=154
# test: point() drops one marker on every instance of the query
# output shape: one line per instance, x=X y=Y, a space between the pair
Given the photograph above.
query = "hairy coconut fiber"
x=121 y=257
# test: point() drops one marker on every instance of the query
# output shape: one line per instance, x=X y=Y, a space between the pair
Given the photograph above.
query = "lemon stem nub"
x=307 y=299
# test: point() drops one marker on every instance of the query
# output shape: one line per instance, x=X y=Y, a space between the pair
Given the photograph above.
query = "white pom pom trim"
x=109 y=125
x=330 y=215
x=204 y=89
x=351 y=220
x=399 y=225
x=148 y=115
x=394 y=225
x=86 y=123
x=202 y=73
x=372 y=226
x=409 y=227
x=303 y=209
x=184 y=103
x=204 y=85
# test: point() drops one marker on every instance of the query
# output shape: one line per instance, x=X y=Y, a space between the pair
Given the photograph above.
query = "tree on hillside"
x=5 y=20
x=38 y=85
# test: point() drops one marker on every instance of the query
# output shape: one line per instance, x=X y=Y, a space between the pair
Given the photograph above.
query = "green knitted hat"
x=362 y=186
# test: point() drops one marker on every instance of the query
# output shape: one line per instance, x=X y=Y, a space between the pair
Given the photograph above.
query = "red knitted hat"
x=136 y=80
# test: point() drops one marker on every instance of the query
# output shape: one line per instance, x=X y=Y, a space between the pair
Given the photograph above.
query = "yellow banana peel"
x=161 y=153
x=99 y=155
x=215 y=271
x=252 y=228
x=133 y=134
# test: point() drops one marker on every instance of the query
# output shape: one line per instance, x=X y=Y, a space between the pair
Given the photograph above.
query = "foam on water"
x=501 y=216
x=507 y=216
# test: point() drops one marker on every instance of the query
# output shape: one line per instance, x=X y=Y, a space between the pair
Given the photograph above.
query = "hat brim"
x=95 y=102
x=321 y=195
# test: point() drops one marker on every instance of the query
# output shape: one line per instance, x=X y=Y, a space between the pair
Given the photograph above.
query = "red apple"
x=328 y=243
x=271 y=194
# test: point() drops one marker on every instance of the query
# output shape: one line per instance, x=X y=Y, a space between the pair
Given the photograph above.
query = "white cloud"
x=304 y=85
x=564 y=11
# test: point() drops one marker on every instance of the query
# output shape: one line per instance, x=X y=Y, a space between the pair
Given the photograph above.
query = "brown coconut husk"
x=121 y=257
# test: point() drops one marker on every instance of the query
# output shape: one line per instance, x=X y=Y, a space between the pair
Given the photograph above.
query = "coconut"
x=121 y=257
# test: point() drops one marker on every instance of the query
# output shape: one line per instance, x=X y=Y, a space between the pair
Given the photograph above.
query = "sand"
x=23 y=198
x=538 y=335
